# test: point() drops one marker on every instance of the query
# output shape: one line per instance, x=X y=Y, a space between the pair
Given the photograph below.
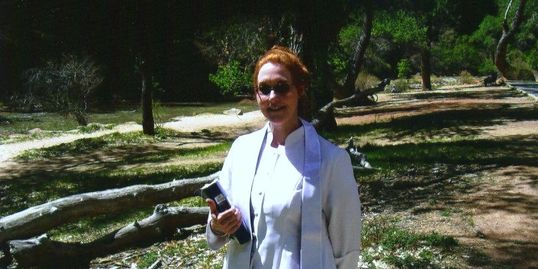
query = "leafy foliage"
x=402 y=26
x=454 y=53
x=235 y=46
x=231 y=79
x=404 y=68
x=339 y=53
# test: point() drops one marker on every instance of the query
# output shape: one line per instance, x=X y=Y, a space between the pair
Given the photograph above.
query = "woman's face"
x=277 y=96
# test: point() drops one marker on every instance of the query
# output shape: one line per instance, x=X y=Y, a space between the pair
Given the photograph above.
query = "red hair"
x=284 y=56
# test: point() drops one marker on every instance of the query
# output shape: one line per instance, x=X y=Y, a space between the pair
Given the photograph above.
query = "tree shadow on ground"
x=461 y=122
x=494 y=93
x=436 y=177
x=94 y=166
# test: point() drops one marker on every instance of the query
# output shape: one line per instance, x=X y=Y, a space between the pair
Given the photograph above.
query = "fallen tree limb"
x=325 y=119
x=41 y=218
x=41 y=252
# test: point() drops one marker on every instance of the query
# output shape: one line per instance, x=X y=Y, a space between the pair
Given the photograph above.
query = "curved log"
x=41 y=252
x=41 y=218
x=325 y=119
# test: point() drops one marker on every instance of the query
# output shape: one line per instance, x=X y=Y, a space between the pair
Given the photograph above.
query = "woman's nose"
x=272 y=95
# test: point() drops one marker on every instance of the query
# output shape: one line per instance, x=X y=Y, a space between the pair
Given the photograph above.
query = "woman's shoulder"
x=329 y=149
x=248 y=140
x=250 y=137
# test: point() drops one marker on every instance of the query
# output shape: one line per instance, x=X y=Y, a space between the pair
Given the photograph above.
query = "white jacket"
x=331 y=214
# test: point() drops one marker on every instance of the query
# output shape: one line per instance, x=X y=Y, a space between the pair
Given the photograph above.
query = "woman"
x=294 y=190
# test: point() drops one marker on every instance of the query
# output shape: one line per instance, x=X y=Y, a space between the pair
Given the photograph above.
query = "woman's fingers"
x=229 y=220
x=212 y=206
x=226 y=222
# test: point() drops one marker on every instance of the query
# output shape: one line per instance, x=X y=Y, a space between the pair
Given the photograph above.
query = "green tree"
x=232 y=79
x=407 y=31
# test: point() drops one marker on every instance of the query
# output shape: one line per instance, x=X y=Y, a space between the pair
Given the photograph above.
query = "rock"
x=233 y=112
x=35 y=131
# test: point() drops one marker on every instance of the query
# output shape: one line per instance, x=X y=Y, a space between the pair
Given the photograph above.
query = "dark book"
x=214 y=192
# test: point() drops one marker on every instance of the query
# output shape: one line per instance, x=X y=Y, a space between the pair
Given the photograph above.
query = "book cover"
x=214 y=192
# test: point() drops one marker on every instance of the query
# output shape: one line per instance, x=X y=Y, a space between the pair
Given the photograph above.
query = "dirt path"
x=183 y=124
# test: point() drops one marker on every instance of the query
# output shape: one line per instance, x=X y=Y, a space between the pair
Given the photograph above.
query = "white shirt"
x=276 y=203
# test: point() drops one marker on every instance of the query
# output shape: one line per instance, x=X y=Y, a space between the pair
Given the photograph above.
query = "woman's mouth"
x=275 y=108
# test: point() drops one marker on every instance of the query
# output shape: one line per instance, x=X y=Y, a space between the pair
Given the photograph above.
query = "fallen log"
x=41 y=252
x=325 y=119
x=39 y=219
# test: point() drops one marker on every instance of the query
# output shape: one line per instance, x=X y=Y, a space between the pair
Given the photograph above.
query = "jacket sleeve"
x=214 y=241
x=342 y=210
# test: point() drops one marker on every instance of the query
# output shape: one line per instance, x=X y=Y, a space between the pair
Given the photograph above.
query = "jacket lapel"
x=249 y=162
x=311 y=217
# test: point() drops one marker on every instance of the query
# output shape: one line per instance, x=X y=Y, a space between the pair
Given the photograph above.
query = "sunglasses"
x=279 y=88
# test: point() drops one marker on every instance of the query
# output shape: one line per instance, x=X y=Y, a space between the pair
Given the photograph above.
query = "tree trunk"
x=148 y=124
x=42 y=252
x=425 y=67
x=145 y=10
x=358 y=54
x=41 y=218
x=508 y=33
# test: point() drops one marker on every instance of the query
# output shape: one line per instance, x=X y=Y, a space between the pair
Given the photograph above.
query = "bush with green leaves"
x=231 y=79
x=404 y=68
x=466 y=77
x=60 y=86
x=453 y=53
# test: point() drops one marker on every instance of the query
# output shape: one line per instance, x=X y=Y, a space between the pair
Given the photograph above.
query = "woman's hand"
x=224 y=223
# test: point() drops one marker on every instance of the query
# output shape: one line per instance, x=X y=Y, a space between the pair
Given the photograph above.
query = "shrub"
x=522 y=69
x=404 y=68
x=61 y=86
x=231 y=79
x=399 y=85
x=466 y=77
x=366 y=81
x=487 y=67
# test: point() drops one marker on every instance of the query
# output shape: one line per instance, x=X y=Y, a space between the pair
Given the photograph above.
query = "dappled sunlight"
x=462 y=167
x=100 y=166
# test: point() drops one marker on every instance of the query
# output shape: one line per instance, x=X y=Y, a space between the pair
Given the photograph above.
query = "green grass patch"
x=148 y=259
x=78 y=167
x=386 y=244
x=36 y=188
x=54 y=123
x=118 y=140
x=89 y=229
x=499 y=152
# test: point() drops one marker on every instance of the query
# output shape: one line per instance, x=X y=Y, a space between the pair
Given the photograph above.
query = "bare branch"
x=41 y=252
